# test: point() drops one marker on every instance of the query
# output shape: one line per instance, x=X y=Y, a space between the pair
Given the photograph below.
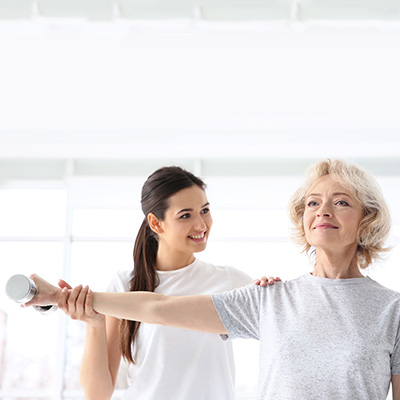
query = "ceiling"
x=207 y=10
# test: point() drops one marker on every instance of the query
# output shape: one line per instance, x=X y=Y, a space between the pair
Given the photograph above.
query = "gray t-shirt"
x=319 y=338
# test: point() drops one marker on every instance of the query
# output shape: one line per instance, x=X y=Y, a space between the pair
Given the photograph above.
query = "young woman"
x=332 y=333
x=164 y=362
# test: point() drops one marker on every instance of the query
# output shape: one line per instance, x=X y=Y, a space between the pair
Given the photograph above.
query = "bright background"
x=94 y=96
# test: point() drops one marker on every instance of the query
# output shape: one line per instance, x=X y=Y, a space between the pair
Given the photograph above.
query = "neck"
x=171 y=261
x=336 y=266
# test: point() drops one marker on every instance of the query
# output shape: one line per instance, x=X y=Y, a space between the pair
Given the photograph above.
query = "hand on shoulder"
x=264 y=280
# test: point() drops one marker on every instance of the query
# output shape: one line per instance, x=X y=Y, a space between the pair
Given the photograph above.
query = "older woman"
x=332 y=333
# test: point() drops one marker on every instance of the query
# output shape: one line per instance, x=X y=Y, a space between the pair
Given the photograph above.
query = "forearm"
x=134 y=306
x=95 y=377
x=187 y=312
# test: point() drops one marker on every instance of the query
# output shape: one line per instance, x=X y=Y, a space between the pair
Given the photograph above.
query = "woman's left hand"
x=77 y=303
x=264 y=280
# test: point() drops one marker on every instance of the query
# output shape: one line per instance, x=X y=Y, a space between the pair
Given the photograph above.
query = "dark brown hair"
x=156 y=192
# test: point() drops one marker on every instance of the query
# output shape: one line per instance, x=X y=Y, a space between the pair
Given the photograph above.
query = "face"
x=332 y=216
x=187 y=221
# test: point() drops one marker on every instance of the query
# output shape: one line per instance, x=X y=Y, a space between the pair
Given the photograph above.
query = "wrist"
x=55 y=295
x=96 y=324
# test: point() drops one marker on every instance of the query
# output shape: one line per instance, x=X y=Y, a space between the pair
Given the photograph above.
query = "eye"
x=311 y=203
x=184 y=216
x=205 y=210
x=342 y=203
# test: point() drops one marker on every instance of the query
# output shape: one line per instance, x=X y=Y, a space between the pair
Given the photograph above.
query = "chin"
x=200 y=247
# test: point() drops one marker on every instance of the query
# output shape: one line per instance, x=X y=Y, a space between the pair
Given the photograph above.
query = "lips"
x=325 y=225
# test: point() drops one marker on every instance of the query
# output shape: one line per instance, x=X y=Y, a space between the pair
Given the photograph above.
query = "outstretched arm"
x=188 y=312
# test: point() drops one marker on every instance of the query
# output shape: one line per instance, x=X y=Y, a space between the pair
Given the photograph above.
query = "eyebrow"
x=333 y=194
x=191 y=209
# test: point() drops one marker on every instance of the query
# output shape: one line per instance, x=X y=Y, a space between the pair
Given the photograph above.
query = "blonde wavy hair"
x=375 y=225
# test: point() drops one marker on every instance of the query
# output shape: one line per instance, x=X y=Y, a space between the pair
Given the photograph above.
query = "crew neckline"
x=177 y=271
x=337 y=282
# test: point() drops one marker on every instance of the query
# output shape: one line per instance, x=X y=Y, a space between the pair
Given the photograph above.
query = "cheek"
x=307 y=220
x=177 y=230
x=356 y=224
x=307 y=223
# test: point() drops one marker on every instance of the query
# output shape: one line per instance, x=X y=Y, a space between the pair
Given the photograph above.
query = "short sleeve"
x=395 y=357
x=239 y=311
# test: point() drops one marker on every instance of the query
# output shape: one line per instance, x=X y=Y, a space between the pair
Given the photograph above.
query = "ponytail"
x=156 y=192
x=145 y=279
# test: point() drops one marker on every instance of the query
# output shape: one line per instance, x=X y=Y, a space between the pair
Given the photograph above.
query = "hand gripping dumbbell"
x=22 y=289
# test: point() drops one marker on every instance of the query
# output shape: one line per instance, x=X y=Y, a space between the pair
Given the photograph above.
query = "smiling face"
x=187 y=222
x=332 y=216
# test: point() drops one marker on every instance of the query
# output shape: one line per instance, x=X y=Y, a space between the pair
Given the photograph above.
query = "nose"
x=200 y=225
x=324 y=211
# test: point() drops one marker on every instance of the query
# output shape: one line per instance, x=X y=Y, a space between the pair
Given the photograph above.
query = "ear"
x=154 y=223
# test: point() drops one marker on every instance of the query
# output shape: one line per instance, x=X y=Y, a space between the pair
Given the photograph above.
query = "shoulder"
x=379 y=287
x=234 y=276
x=383 y=291
x=244 y=292
x=120 y=282
x=260 y=297
x=252 y=291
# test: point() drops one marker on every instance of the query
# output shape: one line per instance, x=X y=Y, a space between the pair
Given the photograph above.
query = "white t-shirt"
x=336 y=339
x=179 y=364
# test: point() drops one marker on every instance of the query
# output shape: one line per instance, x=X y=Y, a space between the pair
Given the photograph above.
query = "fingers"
x=73 y=297
x=62 y=284
x=89 y=302
x=78 y=304
x=71 y=301
x=264 y=280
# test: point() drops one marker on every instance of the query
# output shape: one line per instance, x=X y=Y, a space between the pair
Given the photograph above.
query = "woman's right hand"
x=264 y=280
x=78 y=304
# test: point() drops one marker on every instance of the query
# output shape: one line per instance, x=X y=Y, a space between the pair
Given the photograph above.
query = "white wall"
x=102 y=90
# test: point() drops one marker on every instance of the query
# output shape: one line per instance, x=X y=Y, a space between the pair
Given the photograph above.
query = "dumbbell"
x=22 y=289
